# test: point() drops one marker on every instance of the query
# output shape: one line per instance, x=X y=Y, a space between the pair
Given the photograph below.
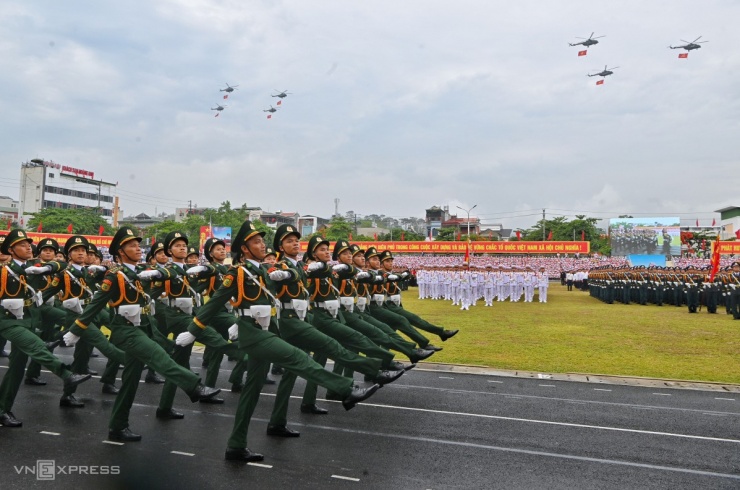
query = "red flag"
x=467 y=252
x=350 y=235
x=403 y=235
x=683 y=55
x=69 y=228
x=714 y=222
x=715 y=259
x=226 y=96
x=279 y=102
x=10 y=223
x=269 y=116
x=154 y=238
x=737 y=234
x=375 y=235
x=518 y=235
x=583 y=235
x=100 y=230
x=600 y=82
x=217 y=114
x=40 y=227
x=697 y=222
x=583 y=53
x=549 y=236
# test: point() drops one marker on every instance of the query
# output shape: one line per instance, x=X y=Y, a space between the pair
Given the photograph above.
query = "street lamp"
x=468 y=212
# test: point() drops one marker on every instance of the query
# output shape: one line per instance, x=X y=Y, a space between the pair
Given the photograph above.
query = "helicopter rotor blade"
x=687 y=42
x=580 y=37
x=696 y=39
x=592 y=35
x=614 y=68
x=599 y=37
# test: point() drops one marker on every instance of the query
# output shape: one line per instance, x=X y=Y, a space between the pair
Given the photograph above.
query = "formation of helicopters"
x=591 y=41
x=230 y=89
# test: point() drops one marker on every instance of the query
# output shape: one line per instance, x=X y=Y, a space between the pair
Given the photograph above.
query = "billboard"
x=645 y=236
x=477 y=247
x=220 y=232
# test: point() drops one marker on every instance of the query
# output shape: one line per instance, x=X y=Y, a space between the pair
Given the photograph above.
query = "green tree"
x=446 y=235
x=83 y=221
x=339 y=228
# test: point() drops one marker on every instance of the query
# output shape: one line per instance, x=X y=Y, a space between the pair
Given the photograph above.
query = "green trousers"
x=415 y=320
x=264 y=347
x=378 y=332
x=397 y=322
x=214 y=355
x=140 y=349
x=25 y=344
x=48 y=320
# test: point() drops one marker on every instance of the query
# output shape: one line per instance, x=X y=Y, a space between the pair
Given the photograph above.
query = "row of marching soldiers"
x=256 y=313
x=675 y=286
x=465 y=286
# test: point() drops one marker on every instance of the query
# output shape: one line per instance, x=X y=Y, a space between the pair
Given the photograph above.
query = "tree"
x=84 y=221
x=447 y=235
x=339 y=228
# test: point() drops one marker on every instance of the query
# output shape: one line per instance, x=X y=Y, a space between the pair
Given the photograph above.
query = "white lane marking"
x=560 y=424
x=728 y=399
x=113 y=443
x=445 y=377
x=715 y=414
x=492 y=381
x=547 y=386
x=261 y=465
x=574 y=457
x=662 y=394
x=340 y=477
x=601 y=389
x=182 y=453
x=50 y=433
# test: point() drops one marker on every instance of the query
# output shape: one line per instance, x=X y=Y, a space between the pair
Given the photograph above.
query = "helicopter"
x=218 y=107
x=228 y=89
x=689 y=45
x=605 y=73
x=587 y=42
x=271 y=109
x=282 y=94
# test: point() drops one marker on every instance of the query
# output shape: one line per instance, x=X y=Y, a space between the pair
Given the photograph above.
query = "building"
x=435 y=216
x=729 y=221
x=142 y=220
x=309 y=224
x=273 y=220
x=462 y=225
x=45 y=184
x=8 y=208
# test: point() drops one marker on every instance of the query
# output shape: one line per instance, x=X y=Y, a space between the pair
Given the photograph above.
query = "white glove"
x=234 y=332
x=149 y=274
x=314 y=266
x=38 y=269
x=70 y=339
x=392 y=277
x=279 y=275
x=185 y=338
x=196 y=270
x=362 y=275
x=404 y=275
x=378 y=278
x=340 y=267
x=96 y=268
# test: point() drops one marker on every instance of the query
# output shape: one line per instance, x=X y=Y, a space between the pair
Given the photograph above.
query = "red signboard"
x=729 y=248
x=515 y=247
x=78 y=172
x=98 y=241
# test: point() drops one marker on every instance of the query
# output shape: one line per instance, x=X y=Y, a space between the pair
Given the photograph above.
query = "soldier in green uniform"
x=247 y=282
x=47 y=318
x=3 y=260
x=132 y=332
x=394 y=304
x=71 y=285
x=17 y=299
x=193 y=257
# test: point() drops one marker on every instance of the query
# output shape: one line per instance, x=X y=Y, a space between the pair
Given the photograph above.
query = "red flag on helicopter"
x=583 y=53
x=600 y=82
x=226 y=96
x=683 y=55
x=279 y=102
x=217 y=114
x=269 y=116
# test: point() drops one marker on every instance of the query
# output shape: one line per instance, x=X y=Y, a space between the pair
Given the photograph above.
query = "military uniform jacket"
x=320 y=284
x=12 y=288
x=344 y=281
x=69 y=283
x=293 y=287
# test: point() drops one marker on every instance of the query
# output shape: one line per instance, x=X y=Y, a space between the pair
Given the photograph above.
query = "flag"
x=10 y=223
x=459 y=236
x=467 y=252
x=549 y=236
x=219 y=113
x=40 y=227
x=226 y=96
x=683 y=55
x=269 y=116
x=583 y=53
x=100 y=230
x=714 y=222
x=279 y=102
x=403 y=235
x=375 y=235
x=350 y=236
x=69 y=228
x=697 y=222
x=600 y=82
x=737 y=234
x=583 y=236
x=518 y=235
x=715 y=259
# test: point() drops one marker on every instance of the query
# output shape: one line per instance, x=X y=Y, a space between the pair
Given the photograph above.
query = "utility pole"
x=543 y=224
x=190 y=207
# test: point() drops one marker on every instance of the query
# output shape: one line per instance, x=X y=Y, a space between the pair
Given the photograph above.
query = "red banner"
x=729 y=248
x=477 y=247
x=98 y=241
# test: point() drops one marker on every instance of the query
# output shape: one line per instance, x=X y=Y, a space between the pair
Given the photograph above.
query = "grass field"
x=574 y=333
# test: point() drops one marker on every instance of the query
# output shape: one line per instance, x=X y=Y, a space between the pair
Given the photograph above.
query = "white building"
x=46 y=184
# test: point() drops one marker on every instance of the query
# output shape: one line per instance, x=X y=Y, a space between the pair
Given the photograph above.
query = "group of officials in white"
x=466 y=286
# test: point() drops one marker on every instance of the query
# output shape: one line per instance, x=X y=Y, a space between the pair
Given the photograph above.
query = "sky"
x=394 y=107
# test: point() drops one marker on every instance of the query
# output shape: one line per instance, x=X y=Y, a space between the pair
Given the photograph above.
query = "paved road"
x=429 y=430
